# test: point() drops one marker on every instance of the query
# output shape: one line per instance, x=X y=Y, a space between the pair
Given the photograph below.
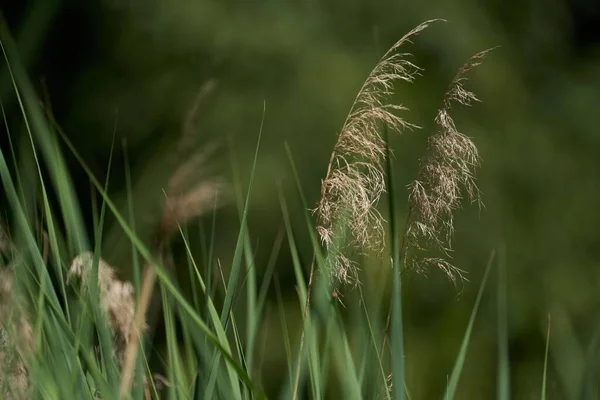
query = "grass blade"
x=545 y=375
x=462 y=354
x=503 y=388
x=397 y=330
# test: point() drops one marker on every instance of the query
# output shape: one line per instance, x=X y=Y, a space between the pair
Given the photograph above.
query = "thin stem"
x=390 y=307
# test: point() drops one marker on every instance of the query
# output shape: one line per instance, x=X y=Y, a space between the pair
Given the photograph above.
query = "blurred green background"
x=139 y=64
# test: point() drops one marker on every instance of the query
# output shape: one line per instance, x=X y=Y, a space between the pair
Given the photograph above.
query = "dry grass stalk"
x=355 y=179
x=139 y=323
x=445 y=177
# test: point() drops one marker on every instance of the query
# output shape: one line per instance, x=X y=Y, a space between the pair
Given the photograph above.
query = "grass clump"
x=72 y=328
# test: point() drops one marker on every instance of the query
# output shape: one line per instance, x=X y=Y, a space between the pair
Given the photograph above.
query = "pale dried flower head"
x=355 y=179
x=116 y=298
x=445 y=177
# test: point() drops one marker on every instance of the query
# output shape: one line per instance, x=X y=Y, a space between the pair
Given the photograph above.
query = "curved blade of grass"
x=12 y=151
x=253 y=315
x=545 y=374
x=462 y=355
x=84 y=355
x=503 y=388
x=214 y=316
x=239 y=248
x=317 y=292
x=284 y=328
x=106 y=342
x=268 y=276
x=345 y=363
x=174 y=366
x=374 y=342
x=23 y=226
x=135 y=259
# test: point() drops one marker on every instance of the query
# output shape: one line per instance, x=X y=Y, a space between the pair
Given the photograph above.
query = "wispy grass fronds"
x=445 y=177
x=355 y=178
x=116 y=298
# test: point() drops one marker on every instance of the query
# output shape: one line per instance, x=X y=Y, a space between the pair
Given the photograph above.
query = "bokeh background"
x=139 y=65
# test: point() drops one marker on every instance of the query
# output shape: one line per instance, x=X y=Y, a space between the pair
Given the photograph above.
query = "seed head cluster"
x=116 y=298
x=445 y=177
x=355 y=179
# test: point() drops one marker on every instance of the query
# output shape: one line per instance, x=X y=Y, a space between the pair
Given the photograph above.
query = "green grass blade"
x=373 y=341
x=106 y=340
x=503 y=388
x=135 y=260
x=253 y=315
x=174 y=366
x=268 y=276
x=545 y=374
x=286 y=336
x=239 y=248
x=216 y=322
x=397 y=329
x=462 y=354
x=345 y=363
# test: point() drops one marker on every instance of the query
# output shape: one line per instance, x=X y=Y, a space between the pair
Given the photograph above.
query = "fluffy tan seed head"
x=445 y=177
x=116 y=297
x=355 y=179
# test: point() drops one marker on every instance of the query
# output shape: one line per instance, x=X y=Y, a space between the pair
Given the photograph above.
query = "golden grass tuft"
x=355 y=180
x=446 y=176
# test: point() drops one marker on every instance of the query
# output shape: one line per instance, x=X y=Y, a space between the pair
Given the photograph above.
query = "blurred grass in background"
x=139 y=65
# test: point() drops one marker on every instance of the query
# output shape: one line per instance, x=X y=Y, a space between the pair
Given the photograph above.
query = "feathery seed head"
x=444 y=178
x=355 y=179
x=116 y=297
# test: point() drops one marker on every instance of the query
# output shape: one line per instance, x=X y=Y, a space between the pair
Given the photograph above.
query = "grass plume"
x=355 y=180
x=445 y=177
x=116 y=298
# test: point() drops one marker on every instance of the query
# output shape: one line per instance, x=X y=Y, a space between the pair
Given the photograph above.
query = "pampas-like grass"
x=445 y=177
x=355 y=179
